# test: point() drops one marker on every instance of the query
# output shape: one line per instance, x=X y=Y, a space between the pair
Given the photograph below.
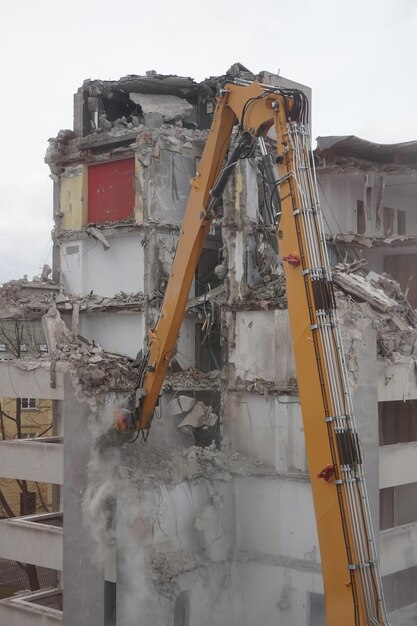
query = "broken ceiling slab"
x=373 y=242
x=155 y=83
x=20 y=297
x=358 y=286
x=200 y=416
x=96 y=233
x=172 y=108
x=217 y=295
x=181 y=404
x=355 y=147
x=266 y=295
x=192 y=379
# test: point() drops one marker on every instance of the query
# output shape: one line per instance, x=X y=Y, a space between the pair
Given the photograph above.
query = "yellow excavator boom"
x=352 y=583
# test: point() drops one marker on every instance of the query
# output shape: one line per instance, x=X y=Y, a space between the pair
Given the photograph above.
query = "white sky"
x=358 y=56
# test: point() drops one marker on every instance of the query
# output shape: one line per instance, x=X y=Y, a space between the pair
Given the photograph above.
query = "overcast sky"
x=358 y=56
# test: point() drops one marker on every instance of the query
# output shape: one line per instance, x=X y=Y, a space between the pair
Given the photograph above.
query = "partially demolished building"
x=212 y=522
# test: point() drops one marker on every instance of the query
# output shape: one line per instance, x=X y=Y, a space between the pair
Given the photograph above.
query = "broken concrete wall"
x=190 y=526
x=86 y=266
x=173 y=163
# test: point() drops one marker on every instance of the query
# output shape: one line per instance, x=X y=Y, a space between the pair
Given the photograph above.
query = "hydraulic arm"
x=351 y=575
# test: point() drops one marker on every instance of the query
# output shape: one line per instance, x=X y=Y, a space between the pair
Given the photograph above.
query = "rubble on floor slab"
x=383 y=303
x=373 y=242
x=95 y=302
x=192 y=379
x=110 y=227
x=265 y=387
x=27 y=299
x=269 y=294
x=95 y=370
x=359 y=286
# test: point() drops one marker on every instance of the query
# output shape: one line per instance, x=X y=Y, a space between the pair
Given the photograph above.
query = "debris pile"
x=373 y=242
x=98 y=371
x=393 y=316
x=27 y=299
x=264 y=387
x=192 y=379
x=269 y=294
x=95 y=302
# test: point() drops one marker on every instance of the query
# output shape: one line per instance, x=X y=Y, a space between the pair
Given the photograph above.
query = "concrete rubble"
x=394 y=319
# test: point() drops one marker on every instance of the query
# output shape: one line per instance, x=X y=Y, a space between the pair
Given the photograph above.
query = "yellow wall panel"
x=73 y=198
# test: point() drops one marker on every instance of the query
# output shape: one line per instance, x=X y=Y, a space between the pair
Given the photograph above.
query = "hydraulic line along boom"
x=352 y=582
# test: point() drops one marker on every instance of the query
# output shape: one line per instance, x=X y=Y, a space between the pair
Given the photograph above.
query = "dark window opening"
x=28 y=503
x=110 y=592
x=317 y=609
x=209 y=276
x=101 y=111
x=403 y=267
x=388 y=221
x=400 y=222
x=397 y=422
x=118 y=106
x=368 y=200
x=398 y=505
x=206 y=276
x=182 y=609
x=86 y=116
x=360 y=218
x=29 y=403
x=207 y=346
x=386 y=508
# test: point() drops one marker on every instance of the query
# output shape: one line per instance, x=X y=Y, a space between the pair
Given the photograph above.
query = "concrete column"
x=83 y=580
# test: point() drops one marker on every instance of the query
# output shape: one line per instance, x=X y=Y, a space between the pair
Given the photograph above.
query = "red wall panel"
x=111 y=190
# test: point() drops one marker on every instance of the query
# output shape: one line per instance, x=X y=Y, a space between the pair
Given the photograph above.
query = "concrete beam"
x=32 y=539
x=398 y=548
x=32 y=459
x=397 y=464
x=25 y=610
x=28 y=379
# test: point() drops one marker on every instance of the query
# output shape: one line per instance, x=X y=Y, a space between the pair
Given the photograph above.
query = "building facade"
x=213 y=521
